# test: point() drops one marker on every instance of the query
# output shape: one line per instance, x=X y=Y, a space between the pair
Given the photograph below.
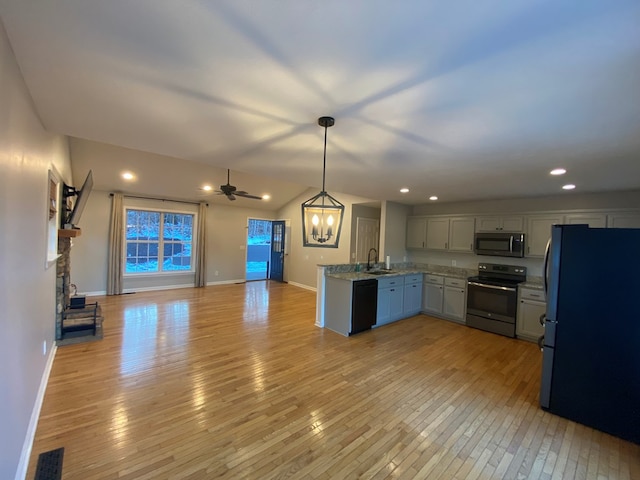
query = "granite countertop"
x=346 y=272
x=532 y=284
x=337 y=271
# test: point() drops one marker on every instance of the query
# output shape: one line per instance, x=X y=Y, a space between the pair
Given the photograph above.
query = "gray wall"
x=27 y=287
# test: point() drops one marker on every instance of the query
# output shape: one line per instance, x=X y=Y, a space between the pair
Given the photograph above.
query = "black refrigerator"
x=591 y=343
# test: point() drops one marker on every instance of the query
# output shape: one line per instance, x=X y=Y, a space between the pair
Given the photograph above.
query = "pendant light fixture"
x=322 y=214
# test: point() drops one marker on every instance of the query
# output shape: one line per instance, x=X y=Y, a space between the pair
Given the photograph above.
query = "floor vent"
x=50 y=465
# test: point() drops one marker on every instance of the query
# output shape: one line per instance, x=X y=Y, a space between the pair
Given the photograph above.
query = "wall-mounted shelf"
x=69 y=232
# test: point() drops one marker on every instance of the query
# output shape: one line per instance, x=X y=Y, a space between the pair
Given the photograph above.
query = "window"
x=158 y=242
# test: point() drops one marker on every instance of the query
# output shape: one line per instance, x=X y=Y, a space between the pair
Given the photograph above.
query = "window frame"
x=162 y=212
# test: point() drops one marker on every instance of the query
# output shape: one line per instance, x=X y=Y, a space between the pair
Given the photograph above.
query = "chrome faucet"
x=369 y=257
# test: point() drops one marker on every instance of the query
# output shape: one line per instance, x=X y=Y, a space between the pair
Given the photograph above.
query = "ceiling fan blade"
x=247 y=195
x=231 y=197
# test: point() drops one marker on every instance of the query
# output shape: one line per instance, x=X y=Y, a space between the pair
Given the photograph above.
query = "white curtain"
x=201 y=246
x=116 y=239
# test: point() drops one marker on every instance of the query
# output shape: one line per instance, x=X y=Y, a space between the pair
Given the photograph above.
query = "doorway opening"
x=258 y=249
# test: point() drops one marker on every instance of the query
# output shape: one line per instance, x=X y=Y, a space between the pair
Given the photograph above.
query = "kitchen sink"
x=380 y=272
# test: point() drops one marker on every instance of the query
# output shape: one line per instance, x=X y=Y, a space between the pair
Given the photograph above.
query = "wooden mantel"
x=69 y=232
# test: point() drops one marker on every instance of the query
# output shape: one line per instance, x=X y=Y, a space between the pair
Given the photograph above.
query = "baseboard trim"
x=93 y=294
x=21 y=472
x=226 y=282
x=153 y=289
x=301 y=285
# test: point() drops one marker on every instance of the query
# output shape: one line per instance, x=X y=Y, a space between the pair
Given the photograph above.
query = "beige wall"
x=226 y=245
x=301 y=263
x=569 y=201
x=27 y=287
x=360 y=211
x=394 y=231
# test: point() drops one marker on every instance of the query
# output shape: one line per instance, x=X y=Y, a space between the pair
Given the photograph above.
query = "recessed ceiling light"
x=266 y=196
x=404 y=190
x=207 y=188
x=128 y=175
x=569 y=186
x=433 y=197
x=558 y=171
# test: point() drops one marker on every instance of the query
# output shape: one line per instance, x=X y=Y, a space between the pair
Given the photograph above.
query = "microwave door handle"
x=547 y=251
x=511 y=243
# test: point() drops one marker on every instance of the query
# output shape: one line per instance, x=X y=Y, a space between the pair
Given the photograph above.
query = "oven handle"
x=495 y=287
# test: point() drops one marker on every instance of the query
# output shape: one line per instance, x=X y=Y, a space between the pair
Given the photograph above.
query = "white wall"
x=27 y=288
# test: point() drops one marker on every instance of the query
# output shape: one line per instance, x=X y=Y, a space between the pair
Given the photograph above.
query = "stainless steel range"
x=492 y=298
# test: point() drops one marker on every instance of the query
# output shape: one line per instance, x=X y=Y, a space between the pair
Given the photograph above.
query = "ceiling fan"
x=231 y=192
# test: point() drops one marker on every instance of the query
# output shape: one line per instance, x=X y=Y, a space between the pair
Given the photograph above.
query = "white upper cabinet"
x=416 y=232
x=511 y=223
x=594 y=220
x=623 y=220
x=539 y=232
x=461 y=230
x=438 y=233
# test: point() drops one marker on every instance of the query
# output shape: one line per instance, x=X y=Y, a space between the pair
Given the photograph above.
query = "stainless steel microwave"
x=499 y=244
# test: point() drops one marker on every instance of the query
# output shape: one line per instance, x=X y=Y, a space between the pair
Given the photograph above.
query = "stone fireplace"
x=63 y=280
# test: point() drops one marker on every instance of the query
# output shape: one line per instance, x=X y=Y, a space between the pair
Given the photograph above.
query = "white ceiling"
x=461 y=99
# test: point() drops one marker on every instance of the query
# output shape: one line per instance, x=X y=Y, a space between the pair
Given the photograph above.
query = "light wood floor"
x=235 y=381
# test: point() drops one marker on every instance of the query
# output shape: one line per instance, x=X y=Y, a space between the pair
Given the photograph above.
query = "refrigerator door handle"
x=546 y=267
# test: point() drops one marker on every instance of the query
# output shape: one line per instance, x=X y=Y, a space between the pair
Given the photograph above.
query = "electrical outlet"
x=44 y=347
x=453 y=263
x=216 y=273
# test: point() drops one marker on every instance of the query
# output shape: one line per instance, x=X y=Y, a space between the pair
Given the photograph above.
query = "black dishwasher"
x=364 y=305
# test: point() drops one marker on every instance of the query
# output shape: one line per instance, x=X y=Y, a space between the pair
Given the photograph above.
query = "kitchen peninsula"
x=401 y=293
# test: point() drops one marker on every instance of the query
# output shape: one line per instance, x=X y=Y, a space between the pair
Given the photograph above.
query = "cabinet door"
x=454 y=303
x=539 y=232
x=594 y=220
x=384 y=306
x=513 y=224
x=396 y=303
x=432 y=298
x=623 y=220
x=528 y=324
x=461 y=230
x=438 y=233
x=416 y=232
x=488 y=224
x=412 y=299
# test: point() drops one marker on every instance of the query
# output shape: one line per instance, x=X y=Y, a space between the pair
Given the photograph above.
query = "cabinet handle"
x=445 y=244
x=393 y=290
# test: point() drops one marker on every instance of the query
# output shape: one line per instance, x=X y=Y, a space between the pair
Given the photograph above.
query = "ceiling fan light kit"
x=322 y=214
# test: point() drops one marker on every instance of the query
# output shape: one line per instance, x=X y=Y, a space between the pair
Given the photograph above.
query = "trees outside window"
x=158 y=242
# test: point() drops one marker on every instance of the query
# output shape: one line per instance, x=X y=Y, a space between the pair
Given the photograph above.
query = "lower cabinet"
x=412 y=298
x=445 y=297
x=432 y=294
x=390 y=300
x=531 y=306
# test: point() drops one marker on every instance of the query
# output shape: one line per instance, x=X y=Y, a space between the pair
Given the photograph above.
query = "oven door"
x=492 y=301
